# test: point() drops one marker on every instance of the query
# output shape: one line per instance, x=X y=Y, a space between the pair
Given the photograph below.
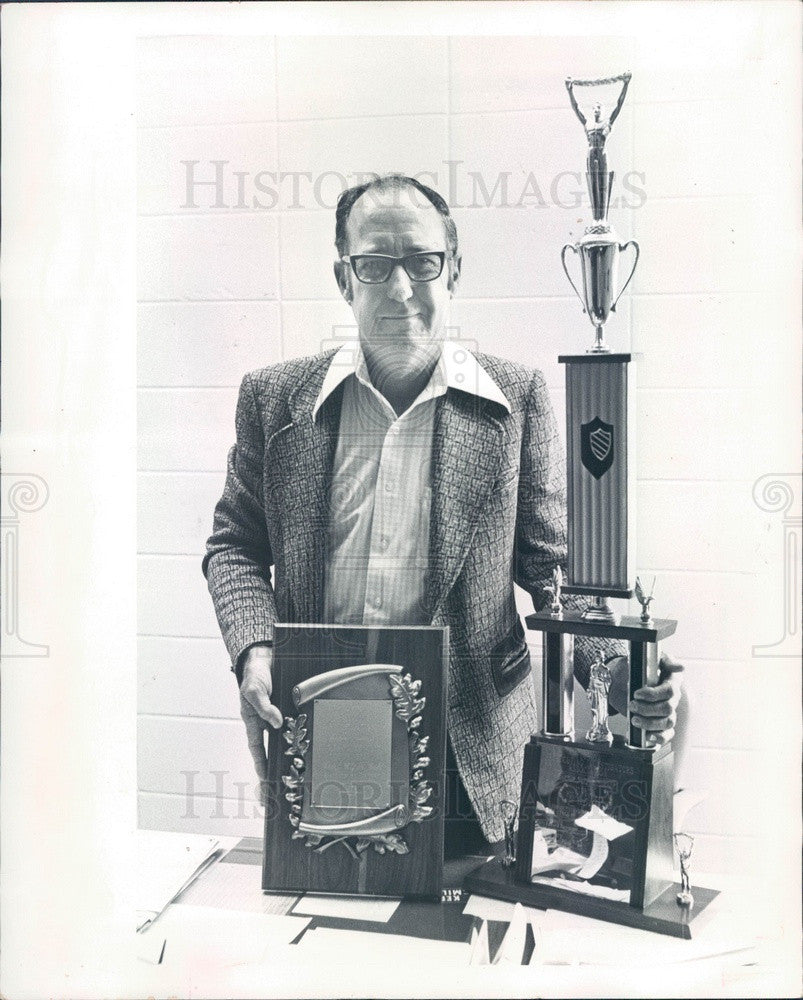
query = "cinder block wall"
x=242 y=146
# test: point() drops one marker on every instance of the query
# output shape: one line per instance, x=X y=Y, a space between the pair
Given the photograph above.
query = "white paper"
x=480 y=946
x=511 y=950
x=167 y=863
x=347 y=907
x=566 y=938
x=600 y=822
x=205 y=936
x=585 y=888
x=233 y=886
x=558 y=859
x=497 y=909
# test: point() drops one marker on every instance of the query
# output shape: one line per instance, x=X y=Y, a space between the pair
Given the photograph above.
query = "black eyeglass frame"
x=352 y=258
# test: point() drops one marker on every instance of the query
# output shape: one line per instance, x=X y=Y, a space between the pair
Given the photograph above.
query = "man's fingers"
x=651 y=724
x=255 y=730
x=259 y=700
x=659 y=739
x=654 y=710
x=661 y=692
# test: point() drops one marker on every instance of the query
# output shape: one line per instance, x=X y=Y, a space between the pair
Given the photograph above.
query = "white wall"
x=226 y=289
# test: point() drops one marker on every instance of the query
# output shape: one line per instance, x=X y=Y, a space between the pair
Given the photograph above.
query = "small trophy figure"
x=509 y=811
x=645 y=618
x=598 y=686
x=684 y=844
x=599 y=179
x=554 y=589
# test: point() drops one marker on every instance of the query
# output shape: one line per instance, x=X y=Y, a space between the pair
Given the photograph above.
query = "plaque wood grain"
x=304 y=651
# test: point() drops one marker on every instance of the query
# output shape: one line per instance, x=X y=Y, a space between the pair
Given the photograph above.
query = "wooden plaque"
x=356 y=774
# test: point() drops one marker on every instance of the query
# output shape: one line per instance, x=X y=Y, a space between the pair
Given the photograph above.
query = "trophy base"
x=663 y=915
x=599 y=346
x=600 y=611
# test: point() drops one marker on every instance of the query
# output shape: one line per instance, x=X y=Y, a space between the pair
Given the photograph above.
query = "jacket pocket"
x=510 y=660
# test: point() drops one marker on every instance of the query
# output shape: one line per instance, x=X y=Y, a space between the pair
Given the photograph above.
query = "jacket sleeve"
x=541 y=520
x=238 y=559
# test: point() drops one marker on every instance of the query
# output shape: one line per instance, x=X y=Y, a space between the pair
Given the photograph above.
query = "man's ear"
x=343 y=279
x=454 y=273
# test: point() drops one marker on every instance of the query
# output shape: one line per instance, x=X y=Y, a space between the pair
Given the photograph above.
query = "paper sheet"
x=511 y=950
x=497 y=909
x=480 y=946
x=167 y=862
x=585 y=888
x=235 y=887
x=556 y=859
x=347 y=907
x=600 y=822
x=203 y=936
x=565 y=938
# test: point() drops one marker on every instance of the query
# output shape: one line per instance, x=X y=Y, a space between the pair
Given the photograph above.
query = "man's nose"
x=399 y=286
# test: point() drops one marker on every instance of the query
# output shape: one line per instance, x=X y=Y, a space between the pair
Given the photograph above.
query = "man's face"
x=401 y=322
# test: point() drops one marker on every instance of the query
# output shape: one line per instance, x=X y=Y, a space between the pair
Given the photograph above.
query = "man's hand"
x=655 y=708
x=256 y=709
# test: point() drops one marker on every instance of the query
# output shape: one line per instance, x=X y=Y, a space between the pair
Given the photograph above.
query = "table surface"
x=741 y=973
x=444 y=921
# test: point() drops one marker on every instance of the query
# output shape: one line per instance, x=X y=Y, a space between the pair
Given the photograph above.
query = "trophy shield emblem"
x=597 y=446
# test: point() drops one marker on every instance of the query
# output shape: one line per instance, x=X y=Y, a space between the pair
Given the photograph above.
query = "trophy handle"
x=573 y=248
x=622 y=248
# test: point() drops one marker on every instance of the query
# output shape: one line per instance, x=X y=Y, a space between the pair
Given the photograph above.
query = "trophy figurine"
x=508 y=811
x=599 y=247
x=554 y=589
x=684 y=844
x=599 y=685
x=595 y=813
x=644 y=601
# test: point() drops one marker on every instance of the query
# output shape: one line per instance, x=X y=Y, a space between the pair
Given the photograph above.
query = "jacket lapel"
x=466 y=455
x=299 y=460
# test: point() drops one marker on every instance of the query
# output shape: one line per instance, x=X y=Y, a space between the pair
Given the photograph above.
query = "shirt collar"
x=457 y=368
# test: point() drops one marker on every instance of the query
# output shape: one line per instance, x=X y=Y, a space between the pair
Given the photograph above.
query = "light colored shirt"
x=378 y=546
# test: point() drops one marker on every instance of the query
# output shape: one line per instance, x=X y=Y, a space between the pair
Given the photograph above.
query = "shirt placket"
x=386 y=514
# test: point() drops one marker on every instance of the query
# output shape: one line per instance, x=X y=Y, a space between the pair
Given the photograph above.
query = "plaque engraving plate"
x=351 y=755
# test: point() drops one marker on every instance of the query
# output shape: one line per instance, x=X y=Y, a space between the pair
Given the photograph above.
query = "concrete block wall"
x=225 y=287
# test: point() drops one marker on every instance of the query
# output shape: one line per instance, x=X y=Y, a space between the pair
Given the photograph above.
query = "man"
x=402 y=481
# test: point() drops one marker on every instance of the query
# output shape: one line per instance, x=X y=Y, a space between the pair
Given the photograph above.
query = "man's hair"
x=390 y=182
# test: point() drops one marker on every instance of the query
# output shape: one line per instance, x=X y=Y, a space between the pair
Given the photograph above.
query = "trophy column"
x=600 y=423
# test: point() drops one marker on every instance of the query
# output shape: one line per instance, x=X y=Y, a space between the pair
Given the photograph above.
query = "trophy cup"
x=595 y=815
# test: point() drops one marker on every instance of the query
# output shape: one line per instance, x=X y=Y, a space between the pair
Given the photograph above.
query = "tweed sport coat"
x=498 y=516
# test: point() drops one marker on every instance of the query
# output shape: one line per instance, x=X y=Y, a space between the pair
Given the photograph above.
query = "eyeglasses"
x=376 y=268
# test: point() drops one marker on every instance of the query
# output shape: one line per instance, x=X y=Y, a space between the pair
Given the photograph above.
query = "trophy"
x=595 y=815
x=599 y=247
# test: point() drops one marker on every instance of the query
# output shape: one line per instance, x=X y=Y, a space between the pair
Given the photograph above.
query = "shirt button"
x=388 y=487
x=384 y=541
x=377 y=602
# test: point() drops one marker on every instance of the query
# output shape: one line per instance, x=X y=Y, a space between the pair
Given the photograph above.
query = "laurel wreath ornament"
x=408 y=706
